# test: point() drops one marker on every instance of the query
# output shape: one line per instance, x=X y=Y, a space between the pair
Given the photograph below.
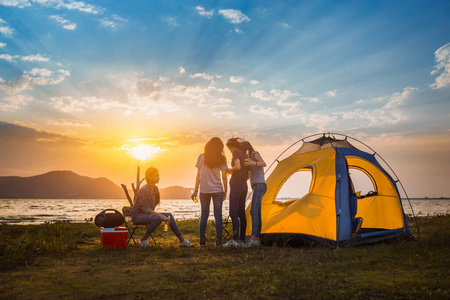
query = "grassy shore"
x=56 y=261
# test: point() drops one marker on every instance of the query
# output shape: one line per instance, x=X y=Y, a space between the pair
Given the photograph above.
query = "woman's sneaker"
x=253 y=243
x=241 y=243
x=143 y=244
x=231 y=243
x=186 y=244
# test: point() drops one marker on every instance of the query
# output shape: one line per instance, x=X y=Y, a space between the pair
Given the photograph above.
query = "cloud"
x=65 y=23
x=262 y=95
x=15 y=3
x=442 y=58
x=13 y=102
x=181 y=70
x=74 y=5
x=202 y=75
x=13 y=132
x=5 y=29
x=331 y=93
x=69 y=122
x=69 y=104
x=34 y=77
x=119 y=18
x=148 y=96
x=234 y=16
x=202 y=12
x=36 y=57
x=236 y=79
x=262 y=111
x=108 y=23
x=13 y=58
x=280 y=96
x=289 y=102
x=105 y=22
x=320 y=121
x=70 y=4
x=215 y=103
x=171 y=21
x=2 y=45
x=225 y=115
x=253 y=82
x=8 y=57
x=388 y=114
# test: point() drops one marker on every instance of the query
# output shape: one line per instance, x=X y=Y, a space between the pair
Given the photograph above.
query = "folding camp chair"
x=226 y=230
x=126 y=210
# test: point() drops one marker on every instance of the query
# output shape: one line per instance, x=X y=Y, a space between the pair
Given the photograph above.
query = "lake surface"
x=39 y=211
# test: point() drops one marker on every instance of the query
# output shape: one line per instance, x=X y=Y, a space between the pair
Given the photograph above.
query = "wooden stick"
x=127 y=194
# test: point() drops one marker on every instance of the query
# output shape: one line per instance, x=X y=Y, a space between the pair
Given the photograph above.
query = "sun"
x=144 y=152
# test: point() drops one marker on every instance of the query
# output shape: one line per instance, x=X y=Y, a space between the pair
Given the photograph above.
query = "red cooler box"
x=114 y=237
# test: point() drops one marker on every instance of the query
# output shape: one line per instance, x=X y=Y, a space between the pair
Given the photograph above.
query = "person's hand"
x=248 y=162
x=194 y=194
x=166 y=219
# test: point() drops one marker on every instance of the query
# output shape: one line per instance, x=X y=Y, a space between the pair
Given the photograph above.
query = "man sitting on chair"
x=143 y=211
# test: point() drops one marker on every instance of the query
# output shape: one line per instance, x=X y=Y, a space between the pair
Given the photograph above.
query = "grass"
x=54 y=261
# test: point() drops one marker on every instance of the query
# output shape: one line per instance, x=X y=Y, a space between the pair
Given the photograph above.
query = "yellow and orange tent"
x=332 y=212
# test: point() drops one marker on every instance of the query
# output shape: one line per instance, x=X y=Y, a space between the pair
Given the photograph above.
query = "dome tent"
x=332 y=213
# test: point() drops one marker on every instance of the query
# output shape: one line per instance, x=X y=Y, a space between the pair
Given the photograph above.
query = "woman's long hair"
x=240 y=144
x=235 y=142
x=214 y=156
x=247 y=146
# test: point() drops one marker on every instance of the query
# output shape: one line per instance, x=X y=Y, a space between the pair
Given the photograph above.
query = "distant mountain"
x=175 y=192
x=69 y=185
x=59 y=185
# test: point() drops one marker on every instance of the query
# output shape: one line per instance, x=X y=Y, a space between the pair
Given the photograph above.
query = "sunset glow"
x=97 y=86
x=143 y=152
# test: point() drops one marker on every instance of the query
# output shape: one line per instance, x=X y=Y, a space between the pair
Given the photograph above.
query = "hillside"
x=59 y=185
x=175 y=192
x=69 y=185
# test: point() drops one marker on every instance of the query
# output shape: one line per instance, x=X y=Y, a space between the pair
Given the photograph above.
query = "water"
x=39 y=211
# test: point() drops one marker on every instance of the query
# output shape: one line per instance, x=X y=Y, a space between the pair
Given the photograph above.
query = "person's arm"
x=237 y=166
x=225 y=185
x=144 y=205
x=258 y=162
x=197 y=183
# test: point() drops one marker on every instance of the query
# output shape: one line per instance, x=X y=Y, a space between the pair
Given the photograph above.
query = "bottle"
x=246 y=154
x=166 y=226
x=195 y=199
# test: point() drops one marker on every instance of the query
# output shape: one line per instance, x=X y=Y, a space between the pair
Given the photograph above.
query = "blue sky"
x=83 y=80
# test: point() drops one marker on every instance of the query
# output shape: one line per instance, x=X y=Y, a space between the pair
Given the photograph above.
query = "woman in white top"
x=212 y=180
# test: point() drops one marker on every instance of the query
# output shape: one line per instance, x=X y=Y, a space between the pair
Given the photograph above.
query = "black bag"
x=110 y=219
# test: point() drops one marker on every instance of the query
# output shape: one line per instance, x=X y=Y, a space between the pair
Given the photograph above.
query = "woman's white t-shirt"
x=210 y=179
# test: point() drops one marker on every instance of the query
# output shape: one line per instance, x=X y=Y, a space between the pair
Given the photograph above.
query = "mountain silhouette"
x=175 y=192
x=69 y=185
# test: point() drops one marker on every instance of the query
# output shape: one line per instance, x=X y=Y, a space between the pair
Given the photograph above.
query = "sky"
x=85 y=84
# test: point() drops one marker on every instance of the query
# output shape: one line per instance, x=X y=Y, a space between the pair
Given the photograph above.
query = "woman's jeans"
x=205 y=201
x=259 y=189
x=154 y=221
x=238 y=194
